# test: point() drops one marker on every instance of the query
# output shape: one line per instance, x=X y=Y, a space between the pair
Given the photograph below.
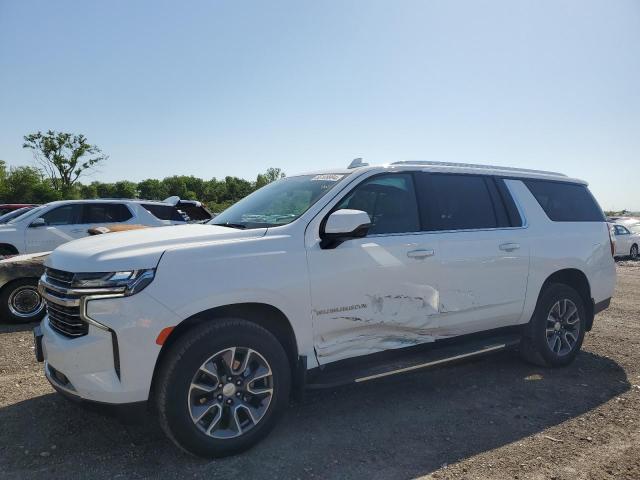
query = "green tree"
x=106 y=190
x=271 y=175
x=89 y=191
x=26 y=185
x=152 y=189
x=3 y=180
x=126 y=189
x=64 y=157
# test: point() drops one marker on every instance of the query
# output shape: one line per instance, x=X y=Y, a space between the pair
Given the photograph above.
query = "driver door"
x=61 y=224
x=375 y=293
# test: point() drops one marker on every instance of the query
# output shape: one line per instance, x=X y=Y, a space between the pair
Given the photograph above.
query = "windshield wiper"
x=239 y=226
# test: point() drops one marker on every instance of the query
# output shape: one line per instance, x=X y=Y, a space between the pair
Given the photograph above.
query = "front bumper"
x=112 y=366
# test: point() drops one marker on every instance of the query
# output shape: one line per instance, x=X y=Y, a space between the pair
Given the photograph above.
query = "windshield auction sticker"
x=327 y=177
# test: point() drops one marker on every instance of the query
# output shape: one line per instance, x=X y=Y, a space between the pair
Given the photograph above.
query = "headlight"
x=131 y=281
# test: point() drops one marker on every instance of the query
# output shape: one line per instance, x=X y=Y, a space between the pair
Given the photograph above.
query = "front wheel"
x=555 y=333
x=222 y=386
x=634 y=252
x=20 y=302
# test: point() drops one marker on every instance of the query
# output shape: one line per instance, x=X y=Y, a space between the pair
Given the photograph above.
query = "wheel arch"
x=11 y=281
x=576 y=279
x=265 y=315
x=10 y=248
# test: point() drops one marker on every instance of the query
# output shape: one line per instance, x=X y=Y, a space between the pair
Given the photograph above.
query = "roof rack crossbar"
x=470 y=165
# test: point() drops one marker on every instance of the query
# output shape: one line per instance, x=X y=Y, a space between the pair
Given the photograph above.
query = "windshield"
x=13 y=214
x=279 y=202
x=25 y=215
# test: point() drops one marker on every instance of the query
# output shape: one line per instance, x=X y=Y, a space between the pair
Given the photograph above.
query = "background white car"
x=49 y=226
x=627 y=240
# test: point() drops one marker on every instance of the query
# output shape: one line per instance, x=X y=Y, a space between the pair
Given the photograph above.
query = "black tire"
x=535 y=345
x=633 y=253
x=16 y=299
x=7 y=250
x=184 y=360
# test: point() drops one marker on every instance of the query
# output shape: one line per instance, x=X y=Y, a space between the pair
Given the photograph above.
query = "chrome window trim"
x=412 y=168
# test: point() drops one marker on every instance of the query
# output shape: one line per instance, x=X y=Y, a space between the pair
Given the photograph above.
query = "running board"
x=394 y=362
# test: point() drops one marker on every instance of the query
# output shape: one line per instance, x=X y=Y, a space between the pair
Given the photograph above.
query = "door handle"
x=509 y=247
x=421 y=253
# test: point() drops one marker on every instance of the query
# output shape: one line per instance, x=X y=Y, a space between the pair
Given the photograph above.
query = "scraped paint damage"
x=388 y=321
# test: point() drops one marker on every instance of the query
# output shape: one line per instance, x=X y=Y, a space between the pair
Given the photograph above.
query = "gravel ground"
x=493 y=418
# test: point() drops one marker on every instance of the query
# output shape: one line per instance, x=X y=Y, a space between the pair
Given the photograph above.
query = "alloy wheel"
x=230 y=393
x=634 y=252
x=563 y=327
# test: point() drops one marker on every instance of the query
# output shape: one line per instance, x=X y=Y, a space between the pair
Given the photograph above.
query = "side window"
x=458 y=202
x=620 y=230
x=390 y=201
x=163 y=212
x=565 y=202
x=515 y=220
x=106 y=213
x=65 y=215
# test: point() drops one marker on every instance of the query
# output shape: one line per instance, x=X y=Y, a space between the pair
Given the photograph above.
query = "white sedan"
x=627 y=240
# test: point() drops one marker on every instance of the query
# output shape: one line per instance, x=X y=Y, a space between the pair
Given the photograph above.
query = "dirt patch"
x=496 y=418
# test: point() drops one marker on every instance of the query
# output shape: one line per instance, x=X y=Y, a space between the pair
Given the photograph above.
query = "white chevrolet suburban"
x=322 y=279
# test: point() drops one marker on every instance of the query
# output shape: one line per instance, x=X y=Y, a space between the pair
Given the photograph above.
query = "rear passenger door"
x=483 y=252
x=104 y=214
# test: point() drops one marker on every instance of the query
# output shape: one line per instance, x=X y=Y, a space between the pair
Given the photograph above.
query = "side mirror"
x=344 y=225
x=38 y=222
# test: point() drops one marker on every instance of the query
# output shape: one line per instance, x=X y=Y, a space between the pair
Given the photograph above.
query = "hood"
x=137 y=249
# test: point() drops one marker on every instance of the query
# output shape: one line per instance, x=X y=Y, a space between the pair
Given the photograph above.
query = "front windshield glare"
x=278 y=203
x=31 y=213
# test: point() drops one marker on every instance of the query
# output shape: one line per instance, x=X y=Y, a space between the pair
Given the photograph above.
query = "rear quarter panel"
x=561 y=245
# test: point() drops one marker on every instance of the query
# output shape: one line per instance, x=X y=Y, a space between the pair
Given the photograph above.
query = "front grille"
x=59 y=278
x=66 y=320
x=63 y=307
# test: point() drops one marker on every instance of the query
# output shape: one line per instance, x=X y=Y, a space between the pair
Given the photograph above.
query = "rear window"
x=164 y=212
x=565 y=202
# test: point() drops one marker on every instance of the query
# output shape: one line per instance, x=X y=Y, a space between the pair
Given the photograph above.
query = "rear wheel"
x=634 y=252
x=555 y=333
x=20 y=302
x=222 y=386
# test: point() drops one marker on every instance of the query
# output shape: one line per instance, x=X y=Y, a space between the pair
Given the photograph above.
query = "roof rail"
x=471 y=165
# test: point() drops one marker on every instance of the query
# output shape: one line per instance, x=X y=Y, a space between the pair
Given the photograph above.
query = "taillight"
x=612 y=239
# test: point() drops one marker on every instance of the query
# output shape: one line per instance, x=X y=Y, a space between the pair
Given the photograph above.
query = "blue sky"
x=217 y=88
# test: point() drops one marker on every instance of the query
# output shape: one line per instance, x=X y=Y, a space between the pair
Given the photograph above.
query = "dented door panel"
x=369 y=295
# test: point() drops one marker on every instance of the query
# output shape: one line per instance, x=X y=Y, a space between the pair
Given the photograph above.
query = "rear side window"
x=163 y=212
x=106 y=213
x=565 y=202
x=459 y=202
